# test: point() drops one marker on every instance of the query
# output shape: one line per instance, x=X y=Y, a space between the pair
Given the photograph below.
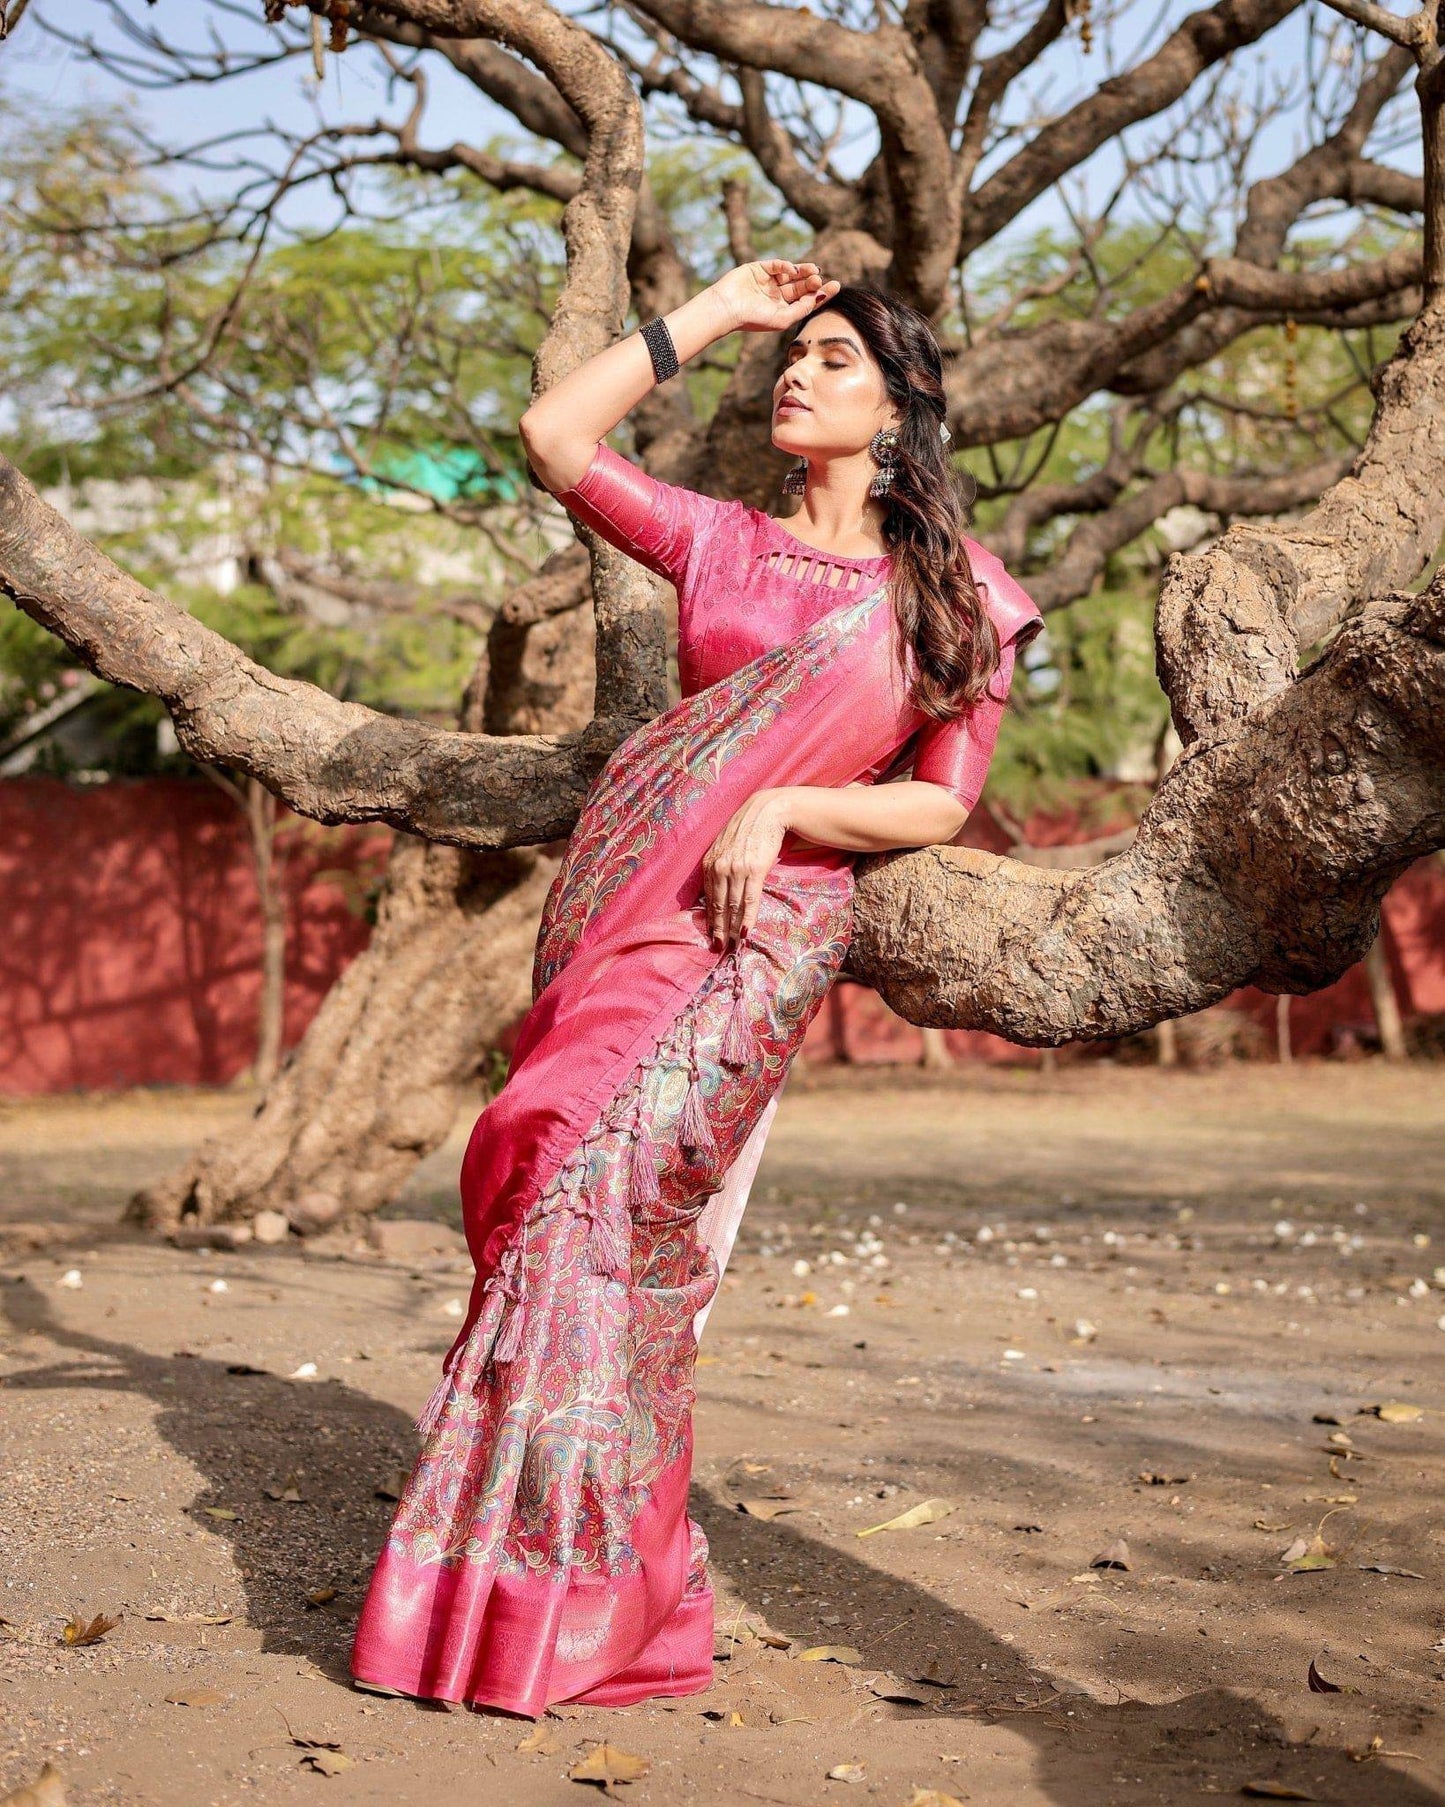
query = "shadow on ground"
x=244 y=1432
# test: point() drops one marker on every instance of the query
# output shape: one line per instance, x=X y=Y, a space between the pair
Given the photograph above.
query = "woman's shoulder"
x=1012 y=610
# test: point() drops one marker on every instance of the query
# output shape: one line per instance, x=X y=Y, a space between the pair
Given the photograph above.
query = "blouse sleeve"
x=957 y=754
x=654 y=522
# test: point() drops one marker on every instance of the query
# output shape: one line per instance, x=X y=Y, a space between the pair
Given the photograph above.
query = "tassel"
x=642 y=1186
x=610 y=1254
x=431 y=1412
x=694 y=1130
x=509 y=1343
x=740 y=1046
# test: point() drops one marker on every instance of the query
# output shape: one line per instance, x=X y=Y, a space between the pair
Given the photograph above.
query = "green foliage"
x=1087 y=706
x=391 y=357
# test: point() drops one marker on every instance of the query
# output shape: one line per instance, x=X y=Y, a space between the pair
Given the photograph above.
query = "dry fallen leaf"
x=848 y=1772
x=289 y=1491
x=1318 y=1684
x=933 y=1797
x=606 y=1765
x=1116 y=1556
x=195 y=1697
x=327 y=1762
x=78 y=1632
x=47 y=1790
x=220 y=1512
x=829 y=1653
x=321 y=1596
x=927 y=1512
x=767 y=1509
x=1306 y=1558
x=1276 y=1791
x=1270 y=1524
x=888 y=1687
x=542 y=1741
x=1388 y=1568
x=1394 y=1412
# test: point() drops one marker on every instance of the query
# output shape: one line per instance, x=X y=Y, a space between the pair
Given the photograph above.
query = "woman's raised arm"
x=562 y=428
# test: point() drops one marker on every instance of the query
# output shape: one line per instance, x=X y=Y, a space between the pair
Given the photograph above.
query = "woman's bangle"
x=660 y=348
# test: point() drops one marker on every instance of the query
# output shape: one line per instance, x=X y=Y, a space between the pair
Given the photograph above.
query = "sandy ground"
x=1102 y=1304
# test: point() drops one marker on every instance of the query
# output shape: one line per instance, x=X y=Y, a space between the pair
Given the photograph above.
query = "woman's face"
x=830 y=398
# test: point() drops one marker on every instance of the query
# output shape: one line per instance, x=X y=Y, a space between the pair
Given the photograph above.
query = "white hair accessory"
x=943 y=432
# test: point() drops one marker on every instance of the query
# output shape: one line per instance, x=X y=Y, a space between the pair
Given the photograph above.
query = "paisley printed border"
x=638 y=796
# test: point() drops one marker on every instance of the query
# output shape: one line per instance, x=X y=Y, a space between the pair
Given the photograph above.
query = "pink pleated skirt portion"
x=542 y=1550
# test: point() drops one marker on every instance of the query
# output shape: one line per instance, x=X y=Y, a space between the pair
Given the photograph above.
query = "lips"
x=790 y=407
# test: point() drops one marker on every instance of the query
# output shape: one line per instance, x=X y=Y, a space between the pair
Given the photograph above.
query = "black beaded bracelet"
x=660 y=348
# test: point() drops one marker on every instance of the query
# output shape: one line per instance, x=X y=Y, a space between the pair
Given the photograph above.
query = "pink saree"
x=542 y=1549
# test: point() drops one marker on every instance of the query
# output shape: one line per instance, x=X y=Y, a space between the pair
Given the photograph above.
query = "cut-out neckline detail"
x=811 y=565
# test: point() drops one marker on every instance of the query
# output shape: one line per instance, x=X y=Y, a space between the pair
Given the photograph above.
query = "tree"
x=1303 y=677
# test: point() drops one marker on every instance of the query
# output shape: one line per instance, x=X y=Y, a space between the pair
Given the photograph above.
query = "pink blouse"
x=745 y=585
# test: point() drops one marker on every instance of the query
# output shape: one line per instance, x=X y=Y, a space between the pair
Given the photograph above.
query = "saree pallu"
x=542 y=1549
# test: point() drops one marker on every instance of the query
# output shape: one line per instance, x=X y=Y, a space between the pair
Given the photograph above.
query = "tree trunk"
x=1383 y=998
x=392 y=1054
x=1281 y=1029
x=271 y=1008
x=396 y=1048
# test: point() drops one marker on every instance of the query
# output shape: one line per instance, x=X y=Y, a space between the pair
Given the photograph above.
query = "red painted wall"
x=131 y=950
x=132 y=938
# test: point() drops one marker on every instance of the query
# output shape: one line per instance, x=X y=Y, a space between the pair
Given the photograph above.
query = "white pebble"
x=801 y=1268
x=218 y=1286
x=72 y=1277
x=836 y=1311
x=1014 y=1355
x=307 y=1371
x=1028 y=1292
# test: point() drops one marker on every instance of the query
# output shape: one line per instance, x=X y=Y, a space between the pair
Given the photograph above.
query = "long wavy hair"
x=936 y=603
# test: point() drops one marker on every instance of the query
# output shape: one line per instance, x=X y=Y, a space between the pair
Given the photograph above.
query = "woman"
x=542 y=1549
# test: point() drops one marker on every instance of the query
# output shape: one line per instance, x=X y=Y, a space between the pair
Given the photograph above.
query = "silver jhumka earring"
x=883 y=445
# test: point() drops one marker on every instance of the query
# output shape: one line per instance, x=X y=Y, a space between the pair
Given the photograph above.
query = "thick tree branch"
x=1261 y=860
x=1232 y=620
x=1074 y=571
x=336 y=761
x=1203 y=39
x=592 y=307
x=882 y=70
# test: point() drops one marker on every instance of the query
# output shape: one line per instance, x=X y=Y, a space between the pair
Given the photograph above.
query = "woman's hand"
x=734 y=867
x=771 y=294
